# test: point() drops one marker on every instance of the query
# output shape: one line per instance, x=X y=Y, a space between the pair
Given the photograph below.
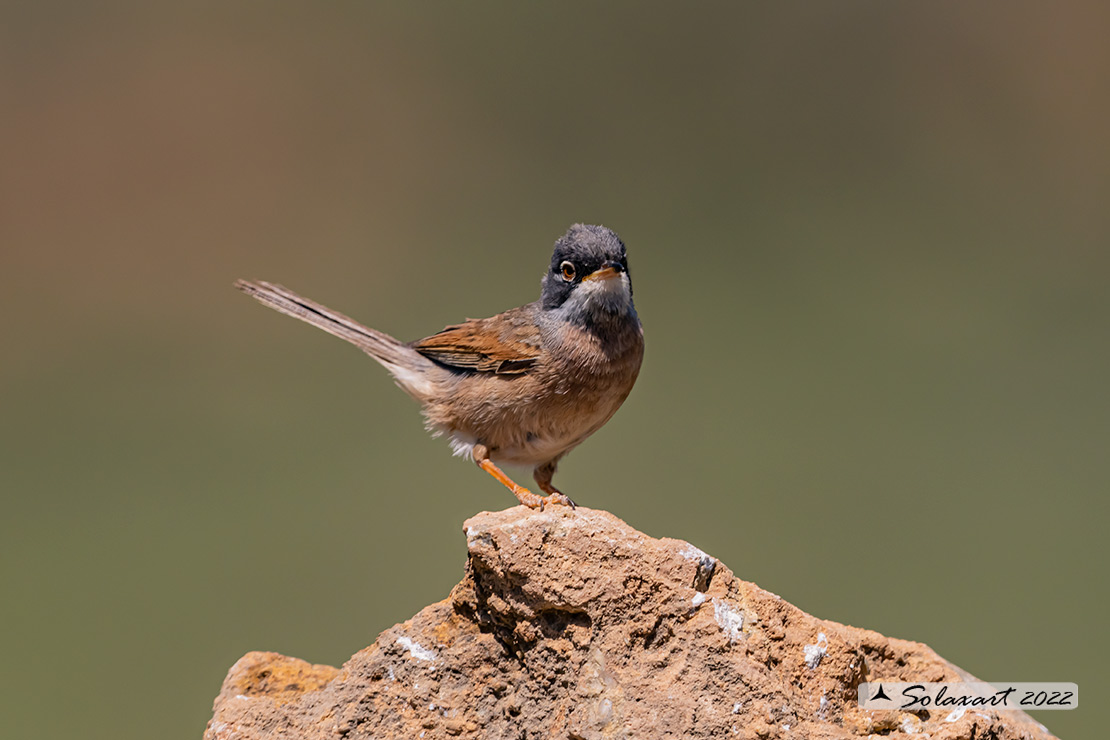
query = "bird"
x=526 y=386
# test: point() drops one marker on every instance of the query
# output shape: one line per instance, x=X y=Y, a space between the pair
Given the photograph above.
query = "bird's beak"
x=608 y=271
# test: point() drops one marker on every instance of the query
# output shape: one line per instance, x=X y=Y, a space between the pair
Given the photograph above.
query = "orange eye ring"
x=567 y=268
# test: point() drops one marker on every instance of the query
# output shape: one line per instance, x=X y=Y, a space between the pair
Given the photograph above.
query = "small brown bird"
x=524 y=387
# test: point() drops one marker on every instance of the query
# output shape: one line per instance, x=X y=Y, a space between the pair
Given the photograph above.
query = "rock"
x=571 y=624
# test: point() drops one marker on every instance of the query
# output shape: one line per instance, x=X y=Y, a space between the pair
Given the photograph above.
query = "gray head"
x=588 y=275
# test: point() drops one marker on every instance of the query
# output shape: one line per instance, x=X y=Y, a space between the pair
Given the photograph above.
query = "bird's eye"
x=567 y=268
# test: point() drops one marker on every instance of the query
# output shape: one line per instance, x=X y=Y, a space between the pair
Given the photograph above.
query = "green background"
x=870 y=249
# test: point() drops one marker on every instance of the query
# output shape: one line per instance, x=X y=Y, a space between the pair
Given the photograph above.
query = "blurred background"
x=870 y=249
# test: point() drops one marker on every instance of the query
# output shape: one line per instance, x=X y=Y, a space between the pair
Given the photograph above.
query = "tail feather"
x=401 y=360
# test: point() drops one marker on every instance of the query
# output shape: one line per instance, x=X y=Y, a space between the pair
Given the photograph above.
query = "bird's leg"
x=523 y=495
x=543 y=475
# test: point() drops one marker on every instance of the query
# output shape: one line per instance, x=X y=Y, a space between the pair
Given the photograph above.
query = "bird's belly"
x=537 y=431
x=540 y=444
x=537 y=450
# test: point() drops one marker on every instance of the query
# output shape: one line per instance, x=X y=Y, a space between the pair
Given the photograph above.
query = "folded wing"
x=506 y=344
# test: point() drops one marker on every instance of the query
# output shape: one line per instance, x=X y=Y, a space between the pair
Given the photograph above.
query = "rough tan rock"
x=571 y=624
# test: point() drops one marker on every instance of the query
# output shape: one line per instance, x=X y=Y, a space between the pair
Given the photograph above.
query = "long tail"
x=407 y=365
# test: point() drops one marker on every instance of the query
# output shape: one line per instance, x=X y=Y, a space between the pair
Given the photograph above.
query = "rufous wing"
x=506 y=344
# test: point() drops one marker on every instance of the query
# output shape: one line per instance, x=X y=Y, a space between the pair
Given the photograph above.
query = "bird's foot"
x=529 y=499
x=554 y=495
x=532 y=501
x=523 y=495
x=557 y=498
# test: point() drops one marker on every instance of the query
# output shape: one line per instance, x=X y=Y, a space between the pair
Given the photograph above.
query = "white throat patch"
x=613 y=295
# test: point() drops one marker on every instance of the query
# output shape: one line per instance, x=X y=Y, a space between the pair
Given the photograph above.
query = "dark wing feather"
x=506 y=344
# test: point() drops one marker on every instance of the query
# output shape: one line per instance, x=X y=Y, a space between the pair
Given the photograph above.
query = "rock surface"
x=571 y=624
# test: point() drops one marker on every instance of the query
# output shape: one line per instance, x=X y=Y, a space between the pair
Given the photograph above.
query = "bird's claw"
x=557 y=498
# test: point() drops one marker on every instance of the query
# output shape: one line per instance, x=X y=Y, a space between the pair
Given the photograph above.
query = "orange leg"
x=523 y=495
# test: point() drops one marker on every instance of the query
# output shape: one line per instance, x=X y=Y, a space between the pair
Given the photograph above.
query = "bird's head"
x=588 y=277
